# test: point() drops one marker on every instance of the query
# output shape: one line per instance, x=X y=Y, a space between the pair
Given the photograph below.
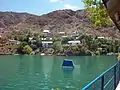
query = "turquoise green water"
x=45 y=72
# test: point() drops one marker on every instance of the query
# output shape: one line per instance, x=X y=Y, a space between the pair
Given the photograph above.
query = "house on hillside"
x=14 y=42
x=108 y=38
x=46 y=39
x=61 y=33
x=47 y=44
x=64 y=36
x=74 y=42
x=46 y=31
x=31 y=40
x=101 y=37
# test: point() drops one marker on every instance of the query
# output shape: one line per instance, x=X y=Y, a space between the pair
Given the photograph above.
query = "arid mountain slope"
x=60 y=20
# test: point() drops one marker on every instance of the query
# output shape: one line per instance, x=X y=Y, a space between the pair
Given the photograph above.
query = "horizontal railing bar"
x=109 y=81
x=91 y=83
x=109 y=69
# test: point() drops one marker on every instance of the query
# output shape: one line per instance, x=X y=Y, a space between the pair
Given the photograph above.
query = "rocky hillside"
x=61 y=20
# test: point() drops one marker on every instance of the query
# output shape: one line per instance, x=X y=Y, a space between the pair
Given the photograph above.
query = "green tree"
x=20 y=48
x=66 y=39
x=57 y=45
x=97 y=12
x=28 y=49
x=93 y=46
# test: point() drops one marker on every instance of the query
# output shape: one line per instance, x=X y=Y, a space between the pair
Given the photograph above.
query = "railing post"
x=102 y=83
x=114 y=77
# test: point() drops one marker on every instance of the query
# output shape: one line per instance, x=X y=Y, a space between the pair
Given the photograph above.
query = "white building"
x=30 y=38
x=75 y=42
x=46 y=31
x=61 y=33
x=43 y=38
x=101 y=37
x=50 y=38
x=108 y=38
x=64 y=36
x=47 y=44
x=14 y=41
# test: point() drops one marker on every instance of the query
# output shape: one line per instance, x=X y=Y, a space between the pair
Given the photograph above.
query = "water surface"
x=45 y=72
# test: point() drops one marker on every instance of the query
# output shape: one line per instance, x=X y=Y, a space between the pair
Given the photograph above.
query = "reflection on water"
x=46 y=72
x=68 y=72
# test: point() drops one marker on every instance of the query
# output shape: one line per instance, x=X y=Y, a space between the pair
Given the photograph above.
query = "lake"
x=46 y=73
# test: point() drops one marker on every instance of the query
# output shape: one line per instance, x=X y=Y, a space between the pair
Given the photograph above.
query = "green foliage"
x=97 y=12
x=33 y=46
x=97 y=52
x=20 y=47
x=66 y=39
x=28 y=49
x=90 y=45
x=56 y=38
x=93 y=46
x=23 y=44
x=57 y=46
x=99 y=45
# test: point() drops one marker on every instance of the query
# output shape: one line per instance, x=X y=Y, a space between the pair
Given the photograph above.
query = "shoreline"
x=54 y=55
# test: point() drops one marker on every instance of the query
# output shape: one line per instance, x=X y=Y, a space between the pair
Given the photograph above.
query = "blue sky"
x=39 y=6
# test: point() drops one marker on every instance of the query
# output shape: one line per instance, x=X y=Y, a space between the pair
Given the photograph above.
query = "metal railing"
x=108 y=80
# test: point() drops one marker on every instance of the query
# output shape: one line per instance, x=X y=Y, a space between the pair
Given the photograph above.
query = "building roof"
x=101 y=37
x=76 y=41
x=50 y=38
x=12 y=40
x=47 y=41
x=61 y=32
x=46 y=31
x=64 y=36
x=30 y=38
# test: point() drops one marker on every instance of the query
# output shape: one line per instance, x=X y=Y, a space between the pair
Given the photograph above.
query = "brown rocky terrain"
x=61 y=20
